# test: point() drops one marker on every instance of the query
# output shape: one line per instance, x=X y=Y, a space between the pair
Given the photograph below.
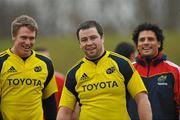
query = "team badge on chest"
x=37 y=68
x=110 y=70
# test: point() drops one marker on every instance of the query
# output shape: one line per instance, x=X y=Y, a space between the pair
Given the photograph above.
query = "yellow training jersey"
x=102 y=89
x=24 y=84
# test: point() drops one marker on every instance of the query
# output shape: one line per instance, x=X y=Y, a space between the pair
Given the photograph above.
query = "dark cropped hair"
x=152 y=27
x=90 y=24
x=125 y=49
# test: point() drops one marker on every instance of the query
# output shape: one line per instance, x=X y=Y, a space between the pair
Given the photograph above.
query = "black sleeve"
x=49 y=107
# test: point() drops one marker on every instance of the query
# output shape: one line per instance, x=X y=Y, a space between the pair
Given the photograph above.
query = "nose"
x=146 y=41
x=89 y=42
x=27 y=41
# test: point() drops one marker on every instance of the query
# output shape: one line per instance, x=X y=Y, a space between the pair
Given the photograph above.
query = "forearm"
x=76 y=112
x=64 y=113
x=144 y=107
x=144 y=111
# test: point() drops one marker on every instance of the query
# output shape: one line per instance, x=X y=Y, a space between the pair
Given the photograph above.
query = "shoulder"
x=135 y=64
x=74 y=68
x=3 y=56
x=42 y=57
x=4 y=53
x=120 y=60
x=118 y=57
x=124 y=65
x=171 y=65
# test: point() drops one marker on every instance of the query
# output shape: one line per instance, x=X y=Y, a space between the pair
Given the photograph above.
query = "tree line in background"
x=59 y=17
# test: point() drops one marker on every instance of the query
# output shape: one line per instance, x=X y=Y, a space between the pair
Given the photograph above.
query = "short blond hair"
x=23 y=20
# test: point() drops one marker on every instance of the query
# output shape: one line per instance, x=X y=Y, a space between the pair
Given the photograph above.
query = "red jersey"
x=60 y=81
x=162 y=80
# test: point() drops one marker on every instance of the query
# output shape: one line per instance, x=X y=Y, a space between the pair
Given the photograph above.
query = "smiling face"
x=91 y=43
x=148 y=44
x=23 y=42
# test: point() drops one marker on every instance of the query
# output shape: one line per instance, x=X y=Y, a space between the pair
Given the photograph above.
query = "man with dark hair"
x=100 y=81
x=126 y=49
x=160 y=76
x=27 y=83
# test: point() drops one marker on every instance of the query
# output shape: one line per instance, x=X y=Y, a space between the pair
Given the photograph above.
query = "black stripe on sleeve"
x=124 y=68
x=50 y=68
x=2 y=59
x=71 y=80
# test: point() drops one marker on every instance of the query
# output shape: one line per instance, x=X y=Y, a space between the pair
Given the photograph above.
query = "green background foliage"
x=65 y=51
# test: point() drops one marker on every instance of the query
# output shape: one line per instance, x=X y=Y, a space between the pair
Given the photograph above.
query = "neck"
x=97 y=59
x=20 y=54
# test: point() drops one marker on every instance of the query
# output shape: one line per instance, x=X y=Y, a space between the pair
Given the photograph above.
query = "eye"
x=93 y=37
x=151 y=39
x=82 y=40
x=31 y=38
x=24 y=37
x=141 y=39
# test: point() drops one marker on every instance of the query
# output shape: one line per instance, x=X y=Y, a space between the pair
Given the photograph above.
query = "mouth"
x=90 y=48
x=146 y=48
x=26 y=48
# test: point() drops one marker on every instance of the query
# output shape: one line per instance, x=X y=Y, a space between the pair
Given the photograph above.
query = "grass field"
x=65 y=51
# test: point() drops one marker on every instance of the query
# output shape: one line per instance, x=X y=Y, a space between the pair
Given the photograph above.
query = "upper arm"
x=50 y=89
x=177 y=83
x=136 y=85
x=125 y=67
x=132 y=79
x=50 y=85
x=177 y=87
x=69 y=93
